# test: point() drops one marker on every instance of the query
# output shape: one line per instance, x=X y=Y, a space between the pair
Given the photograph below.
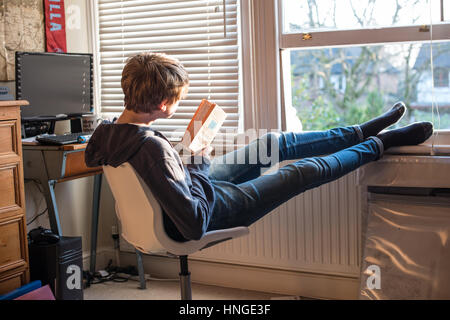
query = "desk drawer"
x=9 y=188
x=10 y=245
x=8 y=138
x=10 y=283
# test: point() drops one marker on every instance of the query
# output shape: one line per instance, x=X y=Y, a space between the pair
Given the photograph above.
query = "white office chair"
x=141 y=219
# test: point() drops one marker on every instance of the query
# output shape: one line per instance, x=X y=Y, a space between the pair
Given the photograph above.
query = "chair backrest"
x=135 y=208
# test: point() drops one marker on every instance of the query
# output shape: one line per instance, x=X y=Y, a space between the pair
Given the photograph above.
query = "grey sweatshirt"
x=184 y=192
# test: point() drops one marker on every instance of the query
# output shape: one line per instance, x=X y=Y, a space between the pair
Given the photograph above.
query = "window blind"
x=191 y=31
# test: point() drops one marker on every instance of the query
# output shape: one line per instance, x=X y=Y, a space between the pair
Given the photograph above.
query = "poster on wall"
x=55 y=26
x=21 y=29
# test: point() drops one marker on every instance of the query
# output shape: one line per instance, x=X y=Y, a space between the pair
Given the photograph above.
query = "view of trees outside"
x=348 y=85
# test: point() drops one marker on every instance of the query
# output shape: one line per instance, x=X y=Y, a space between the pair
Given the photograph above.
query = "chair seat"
x=209 y=239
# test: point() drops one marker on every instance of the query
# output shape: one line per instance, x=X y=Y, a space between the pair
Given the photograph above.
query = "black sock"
x=410 y=135
x=374 y=126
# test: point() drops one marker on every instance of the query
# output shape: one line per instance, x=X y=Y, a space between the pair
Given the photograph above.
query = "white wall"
x=74 y=198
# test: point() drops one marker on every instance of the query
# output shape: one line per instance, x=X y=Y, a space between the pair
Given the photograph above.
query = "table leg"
x=95 y=214
x=53 y=214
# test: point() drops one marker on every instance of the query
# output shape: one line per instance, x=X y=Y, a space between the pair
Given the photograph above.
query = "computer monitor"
x=55 y=84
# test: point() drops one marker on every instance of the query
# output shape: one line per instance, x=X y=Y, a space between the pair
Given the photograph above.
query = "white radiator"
x=317 y=231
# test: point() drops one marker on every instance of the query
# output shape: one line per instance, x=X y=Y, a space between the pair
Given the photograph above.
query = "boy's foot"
x=374 y=126
x=410 y=135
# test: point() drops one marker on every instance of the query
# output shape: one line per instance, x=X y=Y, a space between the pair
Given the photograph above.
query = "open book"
x=204 y=126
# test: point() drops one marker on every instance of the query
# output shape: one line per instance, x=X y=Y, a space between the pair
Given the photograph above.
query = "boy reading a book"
x=208 y=195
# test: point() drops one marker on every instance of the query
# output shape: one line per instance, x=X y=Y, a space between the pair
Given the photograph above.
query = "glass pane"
x=345 y=86
x=310 y=15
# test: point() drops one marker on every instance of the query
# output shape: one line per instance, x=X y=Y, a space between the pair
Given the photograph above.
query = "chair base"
x=185 y=276
x=185 y=286
x=140 y=265
x=185 y=279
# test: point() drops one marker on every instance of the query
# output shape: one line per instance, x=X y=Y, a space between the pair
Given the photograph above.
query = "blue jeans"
x=244 y=196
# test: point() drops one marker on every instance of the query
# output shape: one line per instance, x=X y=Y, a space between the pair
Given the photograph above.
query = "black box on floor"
x=59 y=265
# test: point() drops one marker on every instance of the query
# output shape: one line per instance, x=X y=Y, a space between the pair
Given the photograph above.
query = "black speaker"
x=59 y=265
x=76 y=125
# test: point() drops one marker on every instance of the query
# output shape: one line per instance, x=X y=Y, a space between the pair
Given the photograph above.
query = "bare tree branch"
x=360 y=22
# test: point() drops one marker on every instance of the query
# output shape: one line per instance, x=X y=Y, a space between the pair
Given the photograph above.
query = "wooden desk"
x=49 y=165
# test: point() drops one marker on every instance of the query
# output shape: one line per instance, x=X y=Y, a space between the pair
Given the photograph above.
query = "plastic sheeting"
x=406 y=252
x=407 y=171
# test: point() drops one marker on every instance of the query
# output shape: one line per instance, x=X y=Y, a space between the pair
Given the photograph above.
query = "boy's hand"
x=205 y=152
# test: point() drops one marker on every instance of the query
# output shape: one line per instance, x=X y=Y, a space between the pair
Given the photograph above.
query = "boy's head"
x=151 y=81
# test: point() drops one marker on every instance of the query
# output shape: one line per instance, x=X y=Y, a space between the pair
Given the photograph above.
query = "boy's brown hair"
x=151 y=78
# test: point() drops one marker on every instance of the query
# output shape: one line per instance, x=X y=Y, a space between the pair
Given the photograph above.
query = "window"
x=201 y=34
x=368 y=54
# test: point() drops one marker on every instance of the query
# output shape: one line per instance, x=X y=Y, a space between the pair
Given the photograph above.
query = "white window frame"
x=261 y=65
x=354 y=37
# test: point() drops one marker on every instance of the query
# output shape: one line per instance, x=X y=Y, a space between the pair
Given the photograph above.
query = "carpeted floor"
x=169 y=290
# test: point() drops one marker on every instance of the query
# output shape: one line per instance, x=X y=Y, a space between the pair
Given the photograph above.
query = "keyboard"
x=64 y=138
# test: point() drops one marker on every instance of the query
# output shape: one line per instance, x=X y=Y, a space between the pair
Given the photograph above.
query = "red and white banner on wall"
x=55 y=26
